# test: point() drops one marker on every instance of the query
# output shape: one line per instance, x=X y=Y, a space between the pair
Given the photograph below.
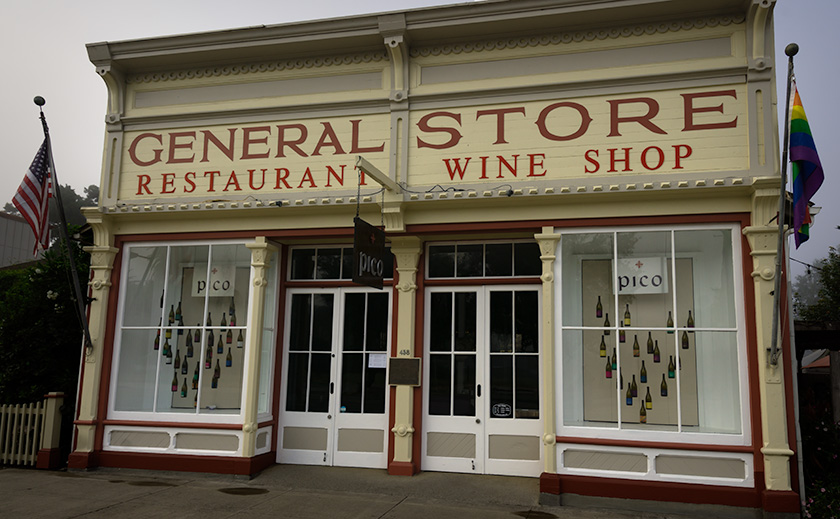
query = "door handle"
x=332 y=387
x=478 y=391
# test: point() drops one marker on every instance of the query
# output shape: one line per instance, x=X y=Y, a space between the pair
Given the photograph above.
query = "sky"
x=44 y=54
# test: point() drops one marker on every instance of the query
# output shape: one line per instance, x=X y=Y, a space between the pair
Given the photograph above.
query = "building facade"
x=578 y=201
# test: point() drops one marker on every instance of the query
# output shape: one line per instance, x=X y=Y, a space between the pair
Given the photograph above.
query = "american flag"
x=33 y=198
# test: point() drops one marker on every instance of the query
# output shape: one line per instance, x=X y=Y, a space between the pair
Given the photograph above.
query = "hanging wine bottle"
x=157 y=339
x=240 y=341
x=650 y=344
x=689 y=323
x=214 y=383
x=663 y=388
x=208 y=357
x=169 y=357
x=209 y=320
x=670 y=323
x=181 y=326
x=224 y=321
x=175 y=382
x=608 y=369
x=210 y=339
x=642 y=413
x=229 y=359
x=627 y=314
x=167 y=333
x=172 y=316
x=672 y=368
x=161 y=299
x=232 y=311
x=607 y=324
x=220 y=347
x=614 y=360
x=656 y=355
x=628 y=396
x=195 y=400
x=166 y=347
x=184 y=388
x=195 y=377
x=197 y=334
x=643 y=373
x=634 y=389
x=621 y=336
x=217 y=373
x=635 y=345
x=599 y=309
x=190 y=349
x=684 y=340
x=229 y=337
x=184 y=366
x=177 y=361
x=602 y=351
x=178 y=315
x=648 y=400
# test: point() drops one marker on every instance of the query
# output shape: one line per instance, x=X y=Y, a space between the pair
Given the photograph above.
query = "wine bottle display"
x=608 y=369
x=648 y=400
x=684 y=340
x=208 y=357
x=627 y=315
x=635 y=345
x=224 y=321
x=607 y=324
x=184 y=388
x=229 y=359
x=650 y=344
x=689 y=323
x=172 y=315
x=599 y=309
x=670 y=323
x=229 y=337
x=621 y=335
x=642 y=413
x=197 y=335
x=634 y=389
x=214 y=383
x=184 y=366
x=232 y=311
x=672 y=368
x=628 y=396
x=656 y=354
x=178 y=315
x=240 y=341
x=663 y=388
x=177 y=361
x=220 y=347
x=175 y=382
x=602 y=351
x=190 y=349
x=195 y=377
x=218 y=371
x=643 y=373
x=614 y=360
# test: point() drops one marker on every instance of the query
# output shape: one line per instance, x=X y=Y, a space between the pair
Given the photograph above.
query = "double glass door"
x=334 y=394
x=482 y=380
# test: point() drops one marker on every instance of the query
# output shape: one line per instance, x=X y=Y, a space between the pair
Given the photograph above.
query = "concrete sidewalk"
x=286 y=491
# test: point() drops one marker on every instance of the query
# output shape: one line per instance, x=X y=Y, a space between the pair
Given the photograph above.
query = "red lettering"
x=511 y=169
x=483 y=167
x=175 y=145
x=588 y=157
x=328 y=133
x=307 y=175
x=644 y=120
x=132 y=150
x=454 y=135
x=247 y=141
x=282 y=178
x=690 y=110
x=234 y=181
x=500 y=120
x=212 y=174
x=585 y=121
x=168 y=180
x=293 y=144
x=678 y=156
x=332 y=172
x=143 y=184
x=458 y=169
x=661 y=157
x=251 y=179
x=361 y=176
x=625 y=160
x=227 y=151
x=188 y=178
x=354 y=142
x=532 y=157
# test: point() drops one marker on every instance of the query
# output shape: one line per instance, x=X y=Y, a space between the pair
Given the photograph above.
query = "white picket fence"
x=23 y=430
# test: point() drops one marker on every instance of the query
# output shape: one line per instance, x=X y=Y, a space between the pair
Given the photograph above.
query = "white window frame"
x=743 y=438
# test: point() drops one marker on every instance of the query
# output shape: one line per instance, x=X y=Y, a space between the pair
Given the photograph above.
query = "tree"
x=72 y=202
x=806 y=289
x=827 y=304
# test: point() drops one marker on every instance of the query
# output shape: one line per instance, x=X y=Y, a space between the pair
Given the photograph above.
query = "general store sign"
x=700 y=130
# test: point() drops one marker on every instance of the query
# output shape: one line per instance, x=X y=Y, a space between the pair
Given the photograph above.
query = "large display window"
x=180 y=347
x=652 y=333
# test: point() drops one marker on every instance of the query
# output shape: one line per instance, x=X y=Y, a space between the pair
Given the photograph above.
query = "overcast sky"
x=43 y=53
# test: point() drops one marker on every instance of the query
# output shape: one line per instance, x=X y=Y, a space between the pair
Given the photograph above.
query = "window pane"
x=464 y=386
x=374 y=388
x=136 y=372
x=440 y=322
x=187 y=280
x=704 y=268
x=526 y=321
x=297 y=381
x=377 y=322
x=644 y=279
x=587 y=274
x=144 y=280
x=319 y=383
x=300 y=322
x=388 y=264
x=527 y=386
x=354 y=322
x=710 y=393
x=501 y=386
x=442 y=261
x=303 y=264
x=328 y=264
x=501 y=321
x=322 y=322
x=351 y=382
x=498 y=259
x=440 y=384
x=527 y=259
x=347 y=263
x=470 y=261
x=465 y=324
x=589 y=397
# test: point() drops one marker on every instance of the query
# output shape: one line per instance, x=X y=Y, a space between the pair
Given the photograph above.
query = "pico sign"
x=220 y=284
x=642 y=276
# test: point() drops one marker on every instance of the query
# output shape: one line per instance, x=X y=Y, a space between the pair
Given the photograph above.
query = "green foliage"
x=40 y=333
x=72 y=201
x=827 y=305
x=821 y=441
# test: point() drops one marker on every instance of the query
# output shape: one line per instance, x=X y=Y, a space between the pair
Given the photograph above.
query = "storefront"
x=577 y=201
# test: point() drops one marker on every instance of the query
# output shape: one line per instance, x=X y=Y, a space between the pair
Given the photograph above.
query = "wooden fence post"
x=49 y=456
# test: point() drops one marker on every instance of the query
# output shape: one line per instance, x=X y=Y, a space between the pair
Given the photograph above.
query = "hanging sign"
x=368 y=254
x=220 y=284
x=642 y=276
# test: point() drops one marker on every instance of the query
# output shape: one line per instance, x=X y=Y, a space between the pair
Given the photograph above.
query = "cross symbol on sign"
x=639 y=264
x=214 y=270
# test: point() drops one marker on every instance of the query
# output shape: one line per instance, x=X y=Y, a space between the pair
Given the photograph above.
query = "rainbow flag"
x=805 y=165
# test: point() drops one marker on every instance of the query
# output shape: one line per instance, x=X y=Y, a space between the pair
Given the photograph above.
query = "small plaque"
x=404 y=371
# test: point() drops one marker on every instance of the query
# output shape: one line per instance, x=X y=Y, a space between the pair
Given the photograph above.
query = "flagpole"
x=791 y=50
x=77 y=286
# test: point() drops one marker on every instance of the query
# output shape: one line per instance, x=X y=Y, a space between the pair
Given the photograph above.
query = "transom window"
x=329 y=262
x=470 y=260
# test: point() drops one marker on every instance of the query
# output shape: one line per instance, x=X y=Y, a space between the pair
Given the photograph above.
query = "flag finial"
x=791 y=50
x=40 y=101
